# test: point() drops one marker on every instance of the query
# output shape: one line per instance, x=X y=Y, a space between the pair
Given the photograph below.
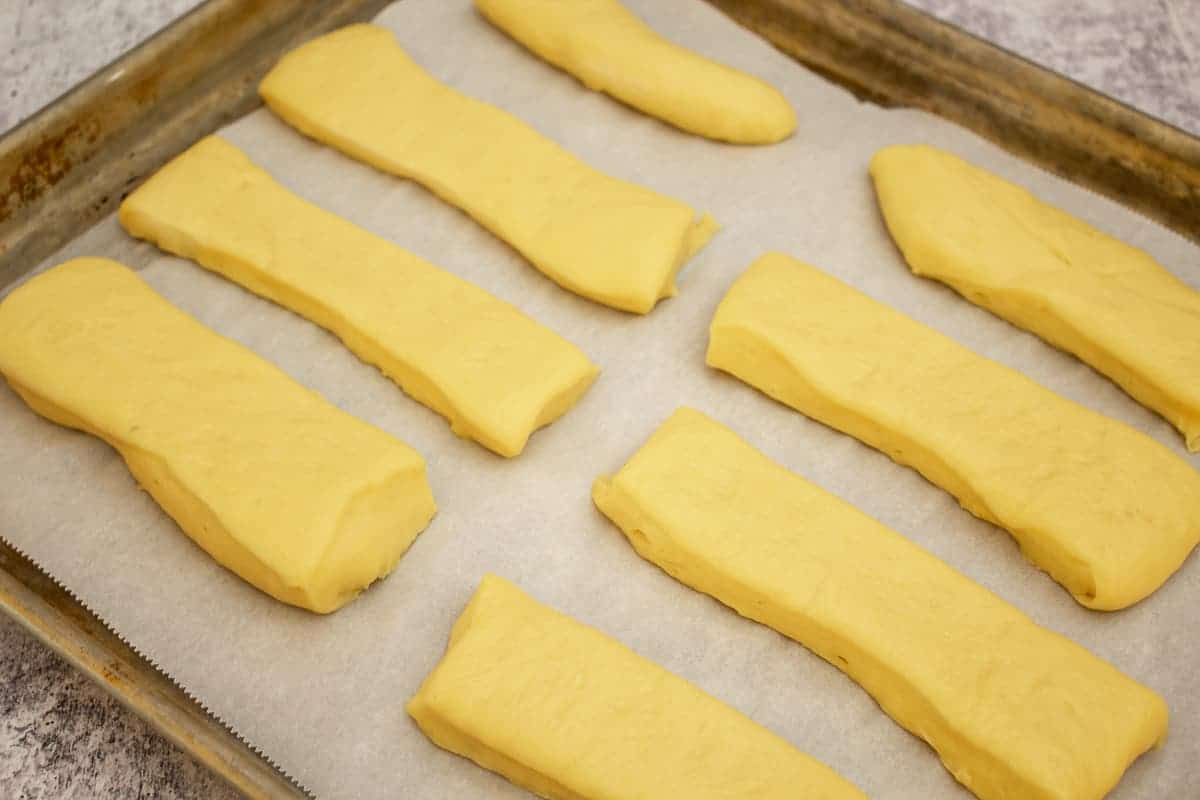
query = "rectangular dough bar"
x=1106 y=510
x=606 y=239
x=297 y=497
x=496 y=374
x=997 y=245
x=561 y=709
x=1014 y=710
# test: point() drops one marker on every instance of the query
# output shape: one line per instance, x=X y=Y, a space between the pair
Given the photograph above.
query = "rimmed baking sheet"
x=323 y=697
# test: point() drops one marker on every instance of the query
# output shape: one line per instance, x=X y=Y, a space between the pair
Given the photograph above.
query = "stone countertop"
x=63 y=737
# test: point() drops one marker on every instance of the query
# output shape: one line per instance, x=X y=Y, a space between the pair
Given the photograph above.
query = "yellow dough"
x=563 y=710
x=609 y=49
x=1110 y=304
x=1106 y=510
x=493 y=372
x=297 y=497
x=1014 y=710
x=612 y=241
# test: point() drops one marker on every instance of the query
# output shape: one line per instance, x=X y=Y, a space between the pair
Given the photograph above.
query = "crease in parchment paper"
x=323 y=697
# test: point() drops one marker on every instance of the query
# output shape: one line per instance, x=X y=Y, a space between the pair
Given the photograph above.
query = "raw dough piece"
x=493 y=372
x=563 y=710
x=609 y=49
x=1014 y=710
x=614 y=242
x=1110 y=304
x=297 y=497
x=1106 y=510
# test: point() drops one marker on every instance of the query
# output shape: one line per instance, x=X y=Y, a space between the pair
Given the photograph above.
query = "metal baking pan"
x=69 y=166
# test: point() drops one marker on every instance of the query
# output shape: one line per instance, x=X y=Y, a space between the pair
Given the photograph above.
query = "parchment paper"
x=323 y=696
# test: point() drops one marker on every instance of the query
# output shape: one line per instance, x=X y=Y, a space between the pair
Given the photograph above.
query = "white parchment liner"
x=323 y=696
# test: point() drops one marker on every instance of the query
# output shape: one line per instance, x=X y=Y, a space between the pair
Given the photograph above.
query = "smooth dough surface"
x=1108 y=303
x=606 y=239
x=1106 y=510
x=297 y=497
x=609 y=49
x=1014 y=710
x=493 y=372
x=561 y=709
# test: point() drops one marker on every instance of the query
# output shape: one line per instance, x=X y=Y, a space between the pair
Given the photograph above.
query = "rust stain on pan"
x=112 y=676
x=44 y=167
x=146 y=89
x=46 y=164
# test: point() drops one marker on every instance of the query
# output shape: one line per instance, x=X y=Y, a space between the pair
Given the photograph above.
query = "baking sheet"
x=323 y=696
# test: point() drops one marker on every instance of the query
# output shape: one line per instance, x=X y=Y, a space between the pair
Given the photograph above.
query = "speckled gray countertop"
x=61 y=736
